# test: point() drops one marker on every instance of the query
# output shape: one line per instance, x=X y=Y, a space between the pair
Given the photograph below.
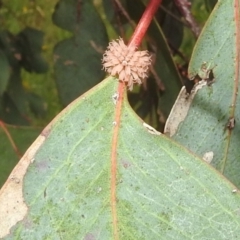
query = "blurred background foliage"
x=50 y=53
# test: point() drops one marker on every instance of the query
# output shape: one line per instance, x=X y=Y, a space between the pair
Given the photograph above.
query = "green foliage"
x=205 y=128
x=30 y=41
x=88 y=176
x=5 y=72
x=19 y=51
x=71 y=55
x=163 y=190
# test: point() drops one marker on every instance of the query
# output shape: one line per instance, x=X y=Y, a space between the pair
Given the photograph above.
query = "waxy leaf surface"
x=212 y=122
x=162 y=191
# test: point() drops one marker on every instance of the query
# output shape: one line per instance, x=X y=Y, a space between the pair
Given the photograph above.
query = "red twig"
x=2 y=125
x=144 y=23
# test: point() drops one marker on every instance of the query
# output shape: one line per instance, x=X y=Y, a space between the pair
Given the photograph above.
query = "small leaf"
x=73 y=10
x=30 y=42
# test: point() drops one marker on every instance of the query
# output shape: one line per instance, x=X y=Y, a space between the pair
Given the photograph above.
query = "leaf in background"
x=171 y=23
x=167 y=72
x=206 y=128
x=72 y=10
x=4 y=73
x=70 y=181
x=8 y=59
x=30 y=43
x=9 y=47
x=116 y=16
x=37 y=105
x=78 y=59
x=145 y=102
x=16 y=102
x=22 y=137
x=23 y=50
x=9 y=112
x=209 y=4
x=17 y=93
x=109 y=7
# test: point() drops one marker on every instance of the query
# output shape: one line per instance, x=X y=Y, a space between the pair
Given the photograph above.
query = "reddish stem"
x=135 y=41
x=14 y=146
x=144 y=23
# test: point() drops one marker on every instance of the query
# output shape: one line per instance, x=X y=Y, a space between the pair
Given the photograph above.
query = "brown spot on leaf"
x=42 y=165
x=89 y=236
x=126 y=164
x=45 y=132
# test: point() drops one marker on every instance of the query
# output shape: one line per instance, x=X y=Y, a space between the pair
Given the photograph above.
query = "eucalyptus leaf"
x=65 y=186
x=209 y=125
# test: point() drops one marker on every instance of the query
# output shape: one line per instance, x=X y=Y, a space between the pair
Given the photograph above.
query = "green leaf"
x=9 y=47
x=22 y=137
x=204 y=129
x=78 y=59
x=30 y=42
x=4 y=73
x=145 y=103
x=73 y=10
x=9 y=112
x=209 y=4
x=37 y=105
x=72 y=191
x=167 y=72
x=116 y=18
x=172 y=26
x=110 y=10
x=16 y=51
x=17 y=93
